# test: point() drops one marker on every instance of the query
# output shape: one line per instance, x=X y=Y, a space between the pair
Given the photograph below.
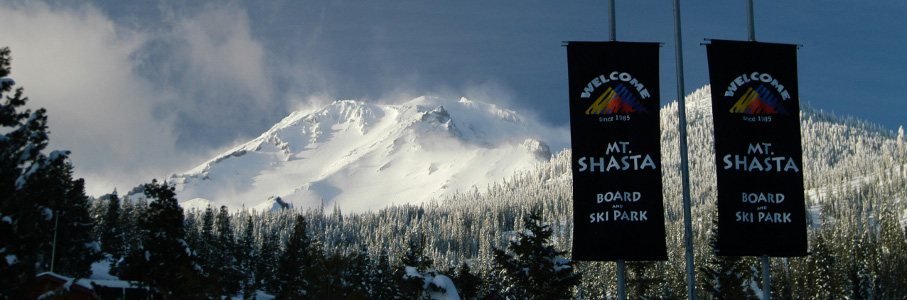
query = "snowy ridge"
x=364 y=156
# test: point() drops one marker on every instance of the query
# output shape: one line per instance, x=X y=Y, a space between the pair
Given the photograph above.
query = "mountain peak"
x=364 y=156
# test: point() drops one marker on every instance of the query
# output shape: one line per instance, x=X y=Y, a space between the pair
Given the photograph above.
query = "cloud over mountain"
x=364 y=156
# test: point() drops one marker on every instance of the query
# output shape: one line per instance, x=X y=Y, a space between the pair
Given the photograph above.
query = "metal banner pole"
x=53 y=251
x=612 y=22
x=621 y=277
x=766 y=263
x=621 y=280
x=684 y=161
x=766 y=278
x=750 y=22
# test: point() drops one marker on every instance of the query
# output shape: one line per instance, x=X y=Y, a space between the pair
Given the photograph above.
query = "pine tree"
x=111 y=231
x=164 y=262
x=412 y=288
x=23 y=139
x=331 y=277
x=129 y=222
x=384 y=283
x=821 y=278
x=726 y=277
x=468 y=282
x=641 y=282
x=267 y=266
x=892 y=258
x=224 y=256
x=75 y=247
x=536 y=270
x=297 y=264
x=38 y=198
x=359 y=275
x=205 y=247
x=248 y=256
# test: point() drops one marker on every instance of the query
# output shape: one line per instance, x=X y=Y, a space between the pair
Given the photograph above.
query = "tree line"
x=216 y=253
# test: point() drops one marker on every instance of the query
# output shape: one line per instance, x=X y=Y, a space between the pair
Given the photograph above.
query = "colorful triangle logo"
x=758 y=102
x=618 y=100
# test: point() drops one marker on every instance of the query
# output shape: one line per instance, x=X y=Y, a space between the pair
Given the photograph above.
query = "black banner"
x=614 y=118
x=759 y=159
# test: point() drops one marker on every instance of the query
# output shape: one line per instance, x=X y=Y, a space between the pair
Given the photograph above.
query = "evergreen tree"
x=536 y=270
x=131 y=211
x=224 y=256
x=359 y=275
x=75 y=248
x=495 y=288
x=383 y=281
x=332 y=277
x=641 y=282
x=434 y=284
x=468 y=282
x=821 y=277
x=68 y=226
x=38 y=198
x=266 y=268
x=726 y=277
x=892 y=282
x=23 y=220
x=412 y=287
x=297 y=264
x=164 y=262
x=111 y=232
x=247 y=256
x=205 y=247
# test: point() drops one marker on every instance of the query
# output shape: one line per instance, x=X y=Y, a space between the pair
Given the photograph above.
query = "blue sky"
x=142 y=89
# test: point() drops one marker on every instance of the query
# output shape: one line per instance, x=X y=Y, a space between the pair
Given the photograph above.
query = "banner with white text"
x=758 y=155
x=616 y=139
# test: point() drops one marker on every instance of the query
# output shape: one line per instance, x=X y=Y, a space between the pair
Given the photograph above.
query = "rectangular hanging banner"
x=615 y=132
x=758 y=155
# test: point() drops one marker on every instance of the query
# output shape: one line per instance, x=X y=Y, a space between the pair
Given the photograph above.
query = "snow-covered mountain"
x=364 y=156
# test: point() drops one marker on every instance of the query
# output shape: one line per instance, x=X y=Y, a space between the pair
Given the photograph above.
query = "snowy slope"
x=365 y=156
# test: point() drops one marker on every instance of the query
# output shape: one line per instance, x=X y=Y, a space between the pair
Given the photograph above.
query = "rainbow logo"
x=618 y=100
x=758 y=102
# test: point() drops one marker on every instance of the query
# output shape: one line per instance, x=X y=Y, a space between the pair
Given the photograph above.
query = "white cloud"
x=123 y=124
x=75 y=63
x=221 y=52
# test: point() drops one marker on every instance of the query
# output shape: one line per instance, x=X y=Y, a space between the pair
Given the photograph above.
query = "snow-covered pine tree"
x=642 y=282
x=297 y=263
x=358 y=275
x=205 y=244
x=76 y=248
x=247 y=256
x=467 y=282
x=267 y=265
x=19 y=241
x=164 y=262
x=435 y=285
x=382 y=278
x=332 y=277
x=821 y=279
x=414 y=257
x=224 y=255
x=726 y=277
x=38 y=197
x=111 y=236
x=129 y=220
x=892 y=282
x=536 y=270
